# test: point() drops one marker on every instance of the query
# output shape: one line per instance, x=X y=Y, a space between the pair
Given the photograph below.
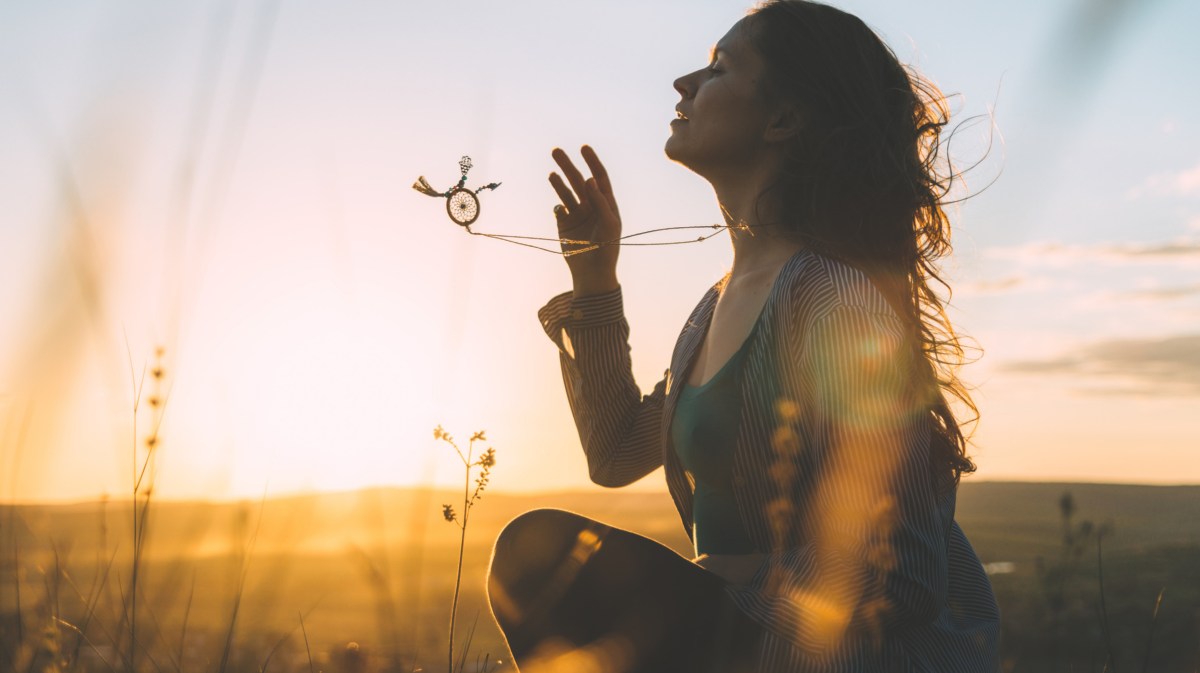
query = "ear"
x=785 y=124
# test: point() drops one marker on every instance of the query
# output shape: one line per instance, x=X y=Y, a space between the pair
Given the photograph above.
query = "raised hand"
x=588 y=214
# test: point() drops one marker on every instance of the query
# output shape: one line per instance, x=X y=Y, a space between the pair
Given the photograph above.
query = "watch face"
x=463 y=206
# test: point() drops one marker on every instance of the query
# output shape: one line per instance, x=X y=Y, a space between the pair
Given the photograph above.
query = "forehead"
x=734 y=42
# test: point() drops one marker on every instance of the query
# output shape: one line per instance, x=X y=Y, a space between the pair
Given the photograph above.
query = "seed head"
x=488 y=459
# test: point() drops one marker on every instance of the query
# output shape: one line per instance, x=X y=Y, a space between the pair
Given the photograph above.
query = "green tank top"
x=704 y=432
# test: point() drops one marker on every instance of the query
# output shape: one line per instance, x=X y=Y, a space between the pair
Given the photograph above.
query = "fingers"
x=573 y=175
x=564 y=192
x=589 y=210
x=599 y=172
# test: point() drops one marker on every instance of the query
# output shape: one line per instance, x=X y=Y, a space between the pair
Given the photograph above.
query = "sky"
x=230 y=182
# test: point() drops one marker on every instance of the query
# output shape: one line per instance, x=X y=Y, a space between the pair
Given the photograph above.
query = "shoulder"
x=812 y=287
x=836 y=320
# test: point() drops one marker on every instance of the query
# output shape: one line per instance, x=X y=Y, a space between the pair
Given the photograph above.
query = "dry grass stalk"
x=484 y=462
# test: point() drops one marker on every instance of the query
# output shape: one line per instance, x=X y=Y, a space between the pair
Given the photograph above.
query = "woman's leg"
x=573 y=594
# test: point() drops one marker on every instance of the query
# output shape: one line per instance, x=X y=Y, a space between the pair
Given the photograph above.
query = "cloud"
x=994 y=286
x=1160 y=293
x=1182 y=183
x=1180 y=250
x=1169 y=366
x=1006 y=285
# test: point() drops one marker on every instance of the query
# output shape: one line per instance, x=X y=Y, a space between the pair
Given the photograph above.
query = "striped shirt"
x=866 y=569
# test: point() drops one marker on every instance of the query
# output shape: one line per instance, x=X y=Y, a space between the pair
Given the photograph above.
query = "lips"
x=679 y=116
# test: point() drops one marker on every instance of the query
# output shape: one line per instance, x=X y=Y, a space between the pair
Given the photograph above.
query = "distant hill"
x=1005 y=521
x=1017 y=520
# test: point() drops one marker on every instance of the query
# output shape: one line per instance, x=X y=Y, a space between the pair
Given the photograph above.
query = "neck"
x=759 y=248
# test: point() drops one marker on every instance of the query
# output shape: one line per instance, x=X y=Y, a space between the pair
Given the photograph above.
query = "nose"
x=683 y=85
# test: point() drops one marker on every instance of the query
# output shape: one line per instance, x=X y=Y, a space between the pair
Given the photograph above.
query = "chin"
x=683 y=158
x=674 y=152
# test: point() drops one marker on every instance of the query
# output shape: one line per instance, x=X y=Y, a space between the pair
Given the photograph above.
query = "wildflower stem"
x=1107 y=633
x=1153 y=623
x=485 y=463
x=307 y=650
x=462 y=543
x=133 y=574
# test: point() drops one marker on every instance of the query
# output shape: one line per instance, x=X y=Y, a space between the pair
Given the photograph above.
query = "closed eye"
x=713 y=55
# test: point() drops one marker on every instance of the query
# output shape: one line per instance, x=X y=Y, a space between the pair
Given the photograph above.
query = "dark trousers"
x=572 y=594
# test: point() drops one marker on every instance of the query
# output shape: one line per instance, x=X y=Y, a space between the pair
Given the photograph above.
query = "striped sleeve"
x=871 y=560
x=619 y=428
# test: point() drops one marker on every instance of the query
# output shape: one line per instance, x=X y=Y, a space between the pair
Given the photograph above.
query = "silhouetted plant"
x=471 y=497
x=1071 y=625
x=144 y=471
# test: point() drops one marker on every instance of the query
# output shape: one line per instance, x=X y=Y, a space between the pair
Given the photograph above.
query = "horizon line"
x=580 y=490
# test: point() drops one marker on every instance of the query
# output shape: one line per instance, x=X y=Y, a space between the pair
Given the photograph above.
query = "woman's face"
x=722 y=115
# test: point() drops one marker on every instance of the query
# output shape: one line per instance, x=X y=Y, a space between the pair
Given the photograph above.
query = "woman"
x=803 y=423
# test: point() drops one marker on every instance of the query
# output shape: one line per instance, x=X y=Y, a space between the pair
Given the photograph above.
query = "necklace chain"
x=588 y=246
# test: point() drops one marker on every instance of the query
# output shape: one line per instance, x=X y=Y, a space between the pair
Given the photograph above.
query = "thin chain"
x=593 y=245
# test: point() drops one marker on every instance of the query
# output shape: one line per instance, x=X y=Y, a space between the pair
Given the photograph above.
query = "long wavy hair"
x=865 y=181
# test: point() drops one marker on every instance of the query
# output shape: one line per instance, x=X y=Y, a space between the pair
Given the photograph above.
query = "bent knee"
x=545 y=518
x=536 y=534
x=527 y=550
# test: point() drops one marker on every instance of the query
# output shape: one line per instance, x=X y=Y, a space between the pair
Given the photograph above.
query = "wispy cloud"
x=1168 y=366
x=1181 y=183
x=991 y=286
x=1161 y=293
x=1181 y=250
x=1178 y=249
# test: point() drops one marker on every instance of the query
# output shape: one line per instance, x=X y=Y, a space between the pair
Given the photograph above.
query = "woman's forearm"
x=589 y=286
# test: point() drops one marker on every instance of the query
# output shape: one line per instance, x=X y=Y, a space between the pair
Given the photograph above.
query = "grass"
x=312 y=570
x=1072 y=614
x=128 y=617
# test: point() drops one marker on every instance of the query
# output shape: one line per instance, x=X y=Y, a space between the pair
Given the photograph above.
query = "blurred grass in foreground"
x=317 y=555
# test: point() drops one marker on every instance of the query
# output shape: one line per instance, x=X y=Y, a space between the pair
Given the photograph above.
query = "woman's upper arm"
x=875 y=493
x=867 y=547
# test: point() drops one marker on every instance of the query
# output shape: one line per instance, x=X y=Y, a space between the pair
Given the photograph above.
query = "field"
x=363 y=581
